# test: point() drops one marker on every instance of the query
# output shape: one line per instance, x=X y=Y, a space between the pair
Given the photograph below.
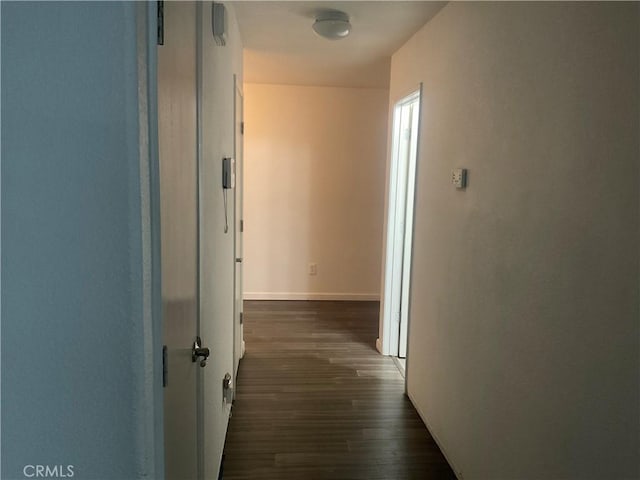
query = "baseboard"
x=311 y=296
x=456 y=470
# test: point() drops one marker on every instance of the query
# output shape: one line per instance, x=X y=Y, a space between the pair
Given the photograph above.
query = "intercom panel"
x=228 y=173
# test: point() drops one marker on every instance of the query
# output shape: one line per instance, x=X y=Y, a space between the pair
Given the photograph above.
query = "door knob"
x=199 y=351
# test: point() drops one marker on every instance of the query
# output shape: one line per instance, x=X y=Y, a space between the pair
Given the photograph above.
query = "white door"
x=238 y=349
x=412 y=111
x=177 y=132
x=400 y=224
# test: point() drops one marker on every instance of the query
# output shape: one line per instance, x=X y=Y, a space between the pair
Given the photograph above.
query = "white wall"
x=523 y=353
x=314 y=191
x=217 y=261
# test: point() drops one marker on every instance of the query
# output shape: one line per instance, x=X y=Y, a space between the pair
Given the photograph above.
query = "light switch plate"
x=459 y=177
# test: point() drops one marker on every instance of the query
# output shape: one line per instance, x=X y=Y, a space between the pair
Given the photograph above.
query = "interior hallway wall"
x=81 y=349
x=314 y=191
x=523 y=350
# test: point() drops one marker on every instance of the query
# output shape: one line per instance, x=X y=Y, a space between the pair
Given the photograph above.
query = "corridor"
x=315 y=400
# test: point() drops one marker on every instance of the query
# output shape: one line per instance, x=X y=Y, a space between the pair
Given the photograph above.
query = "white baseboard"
x=311 y=296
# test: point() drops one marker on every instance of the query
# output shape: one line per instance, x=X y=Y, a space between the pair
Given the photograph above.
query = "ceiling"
x=281 y=47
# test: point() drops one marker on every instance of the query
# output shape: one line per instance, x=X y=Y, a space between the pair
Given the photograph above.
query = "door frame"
x=150 y=430
x=395 y=239
x=238 y=209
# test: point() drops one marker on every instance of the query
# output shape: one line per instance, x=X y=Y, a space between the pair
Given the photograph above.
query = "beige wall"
x=523 y=352
x=314 y=191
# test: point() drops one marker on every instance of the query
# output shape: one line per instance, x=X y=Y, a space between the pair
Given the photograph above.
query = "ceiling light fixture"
x=332 y=24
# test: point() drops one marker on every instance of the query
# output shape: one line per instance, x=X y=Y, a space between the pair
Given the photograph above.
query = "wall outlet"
x=313 y=269
x=459 y=177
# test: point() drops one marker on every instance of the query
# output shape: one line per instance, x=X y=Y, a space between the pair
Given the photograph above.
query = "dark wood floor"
x=316 y=401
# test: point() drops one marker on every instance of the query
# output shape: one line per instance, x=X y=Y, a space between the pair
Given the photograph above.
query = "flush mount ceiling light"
x=332 y=24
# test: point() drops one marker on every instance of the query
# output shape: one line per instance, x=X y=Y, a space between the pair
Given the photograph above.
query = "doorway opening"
x=402 y=178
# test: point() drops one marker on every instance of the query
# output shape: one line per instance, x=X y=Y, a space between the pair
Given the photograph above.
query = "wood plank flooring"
x=315 y=400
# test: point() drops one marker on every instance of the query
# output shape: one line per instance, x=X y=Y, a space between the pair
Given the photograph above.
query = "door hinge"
x=241 y=319
x=241 y=226
x=241 y=128
x=160 y=22
x=165 y=366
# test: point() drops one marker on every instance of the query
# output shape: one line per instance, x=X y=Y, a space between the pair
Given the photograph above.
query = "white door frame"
x=398 y=236
x=238 y=220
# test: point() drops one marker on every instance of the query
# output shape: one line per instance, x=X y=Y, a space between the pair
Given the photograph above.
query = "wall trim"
x=311 y=296
x=457 y=472
x=147 y=393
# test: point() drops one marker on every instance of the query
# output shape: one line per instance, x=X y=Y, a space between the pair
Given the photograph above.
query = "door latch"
x=199 y=351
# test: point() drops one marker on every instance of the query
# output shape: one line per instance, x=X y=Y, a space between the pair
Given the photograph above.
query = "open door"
x=177 y=135
x=402 y=176
x=412 y=112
